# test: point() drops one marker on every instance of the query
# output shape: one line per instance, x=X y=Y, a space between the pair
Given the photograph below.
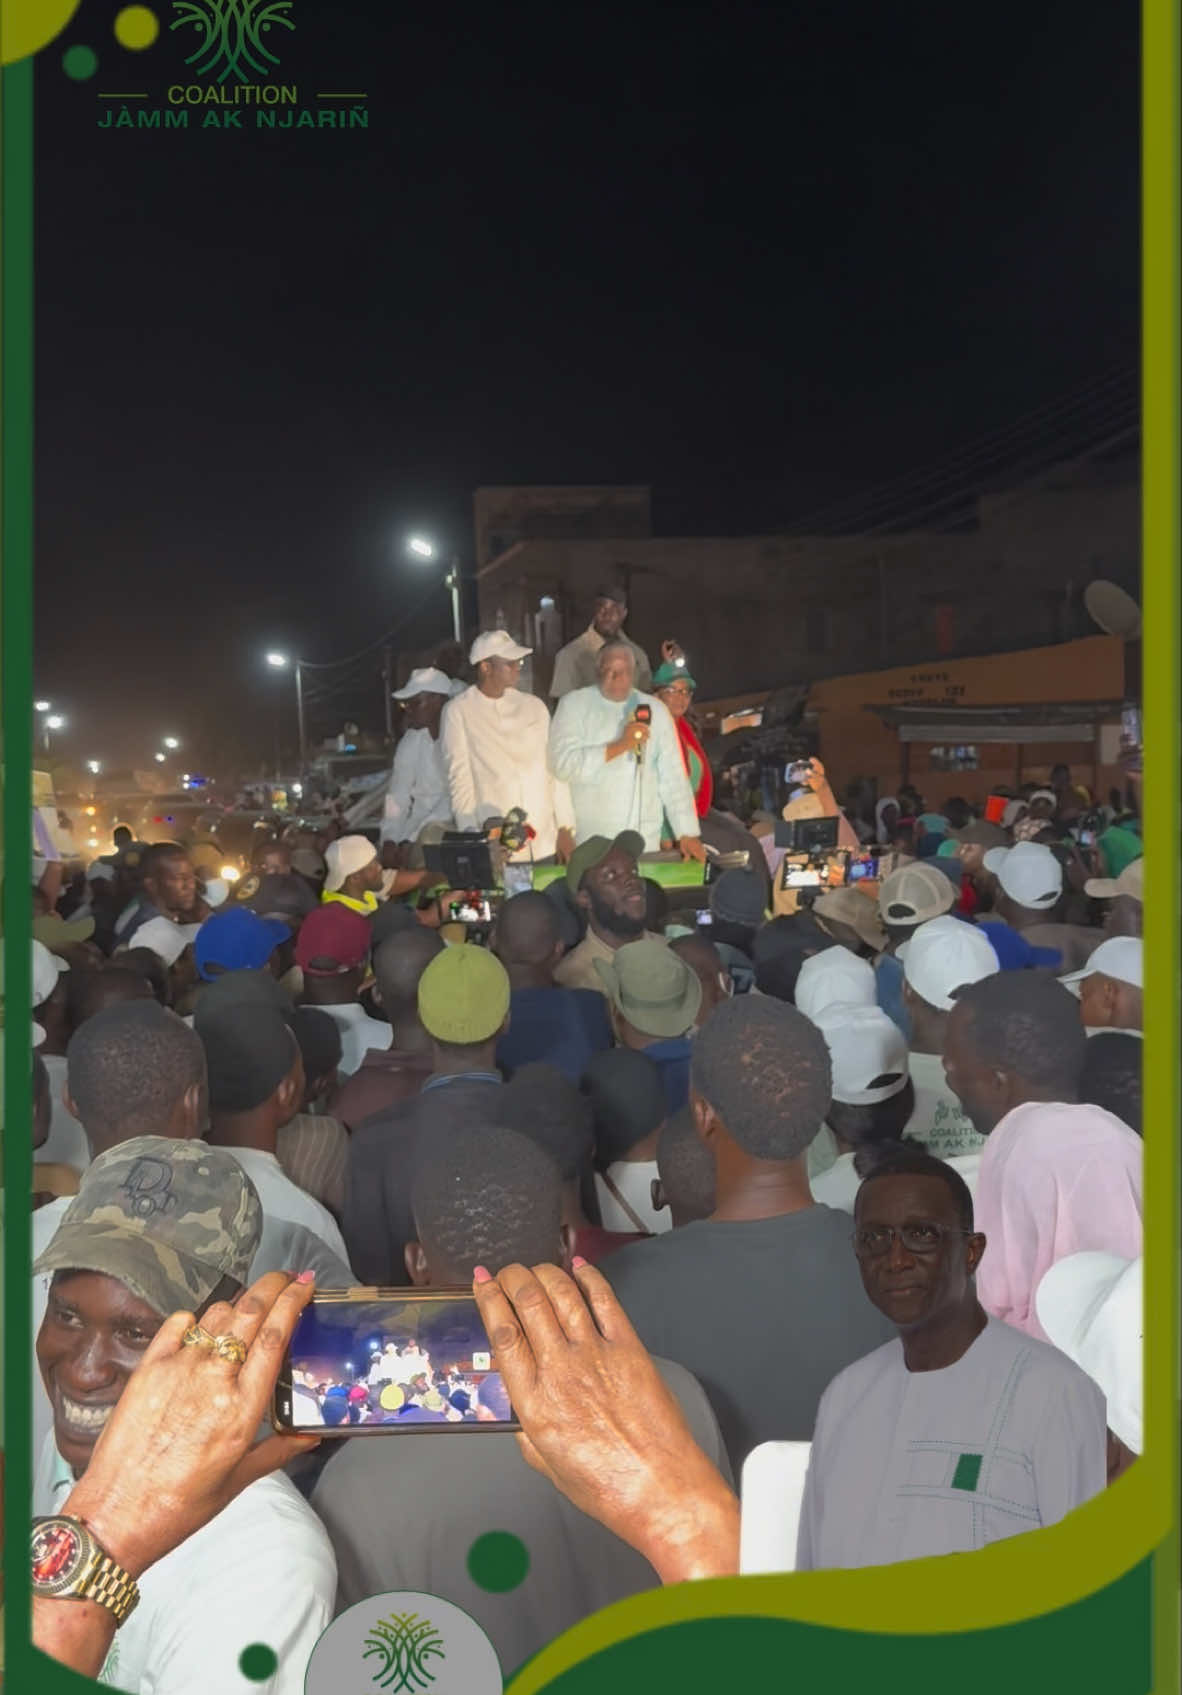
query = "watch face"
x=58 y=1550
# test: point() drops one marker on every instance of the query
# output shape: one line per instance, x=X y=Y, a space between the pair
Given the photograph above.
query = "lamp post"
x=280 y=662
x=424 y=549
x=53 y=721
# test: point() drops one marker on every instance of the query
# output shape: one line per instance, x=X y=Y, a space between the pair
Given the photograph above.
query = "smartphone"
x=705 y=916
x=860 y=869
x=470 y=911
x=366 y=1361
x=1087 y=838
x=798 y=772
x=802 y=877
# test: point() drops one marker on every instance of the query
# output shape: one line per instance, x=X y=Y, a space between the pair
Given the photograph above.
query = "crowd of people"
x=867 y=1176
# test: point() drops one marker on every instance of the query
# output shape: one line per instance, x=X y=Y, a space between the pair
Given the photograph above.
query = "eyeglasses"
x=875 y=1240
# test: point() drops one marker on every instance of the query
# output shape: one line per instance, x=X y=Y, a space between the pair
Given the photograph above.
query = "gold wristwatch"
x=69 y=1565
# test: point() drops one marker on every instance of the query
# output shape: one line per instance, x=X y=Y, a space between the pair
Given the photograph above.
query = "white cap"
x=496 y=644
x=944 y=954
x=217 y=892
x=834 y=975
x=1120 y=957
x=344 y=857
x=47 y=968
x=1013 y=811
x=1092 y=1308
x=1028 y=872
x=426 y=680
x=864 y=1045
x=38 y=1034
x=165 y=939
x=99 y=871
x=1044 y=794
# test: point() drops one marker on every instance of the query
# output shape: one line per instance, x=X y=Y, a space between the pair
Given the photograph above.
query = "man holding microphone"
x=618 y=752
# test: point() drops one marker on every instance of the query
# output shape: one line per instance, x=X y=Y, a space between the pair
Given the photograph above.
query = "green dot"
x=498 y=1561
x=258 y=1662
x=80 y=62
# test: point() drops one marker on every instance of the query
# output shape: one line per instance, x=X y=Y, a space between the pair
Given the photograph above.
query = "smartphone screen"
x=862 y=868
x=802 y=877
x=470 y=911
x=369 y=1361
x=705 y=916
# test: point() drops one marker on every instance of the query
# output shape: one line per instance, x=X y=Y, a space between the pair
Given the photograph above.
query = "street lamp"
x=424 y=549
x=40 y=706
x=159 y=757
x=171 y=743
x=279 y=662
x=54 y=721
x=94 y=766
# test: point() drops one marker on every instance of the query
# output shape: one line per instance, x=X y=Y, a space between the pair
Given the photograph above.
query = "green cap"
x=652 y=987
x=168 y=1219
x=594 y=850
x=670 y=673
x=464 y=996
x=55 y=932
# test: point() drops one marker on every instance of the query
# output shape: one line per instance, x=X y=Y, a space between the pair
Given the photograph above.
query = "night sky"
x=759 y=257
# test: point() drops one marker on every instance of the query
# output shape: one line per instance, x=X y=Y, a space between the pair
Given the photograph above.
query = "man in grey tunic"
x=961 y=1432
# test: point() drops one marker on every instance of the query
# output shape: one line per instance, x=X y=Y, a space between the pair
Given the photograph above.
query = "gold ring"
x=196 y=1337
x=230 y=1347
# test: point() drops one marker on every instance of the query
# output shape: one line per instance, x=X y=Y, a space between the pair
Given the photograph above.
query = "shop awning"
x=945 y=721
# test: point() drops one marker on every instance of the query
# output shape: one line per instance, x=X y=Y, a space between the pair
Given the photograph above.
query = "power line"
x=1053 y=419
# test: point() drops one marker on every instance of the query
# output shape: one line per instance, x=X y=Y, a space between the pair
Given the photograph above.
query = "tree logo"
x=402 y=1639
x=231 y=35
x=403 y=1643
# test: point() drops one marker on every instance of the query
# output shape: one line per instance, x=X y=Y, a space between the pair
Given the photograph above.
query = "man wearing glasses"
x=961 y=1432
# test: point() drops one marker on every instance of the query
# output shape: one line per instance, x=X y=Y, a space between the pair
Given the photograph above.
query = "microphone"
x=642 y=715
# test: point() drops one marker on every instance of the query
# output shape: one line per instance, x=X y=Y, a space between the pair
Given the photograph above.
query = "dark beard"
x=615 y=923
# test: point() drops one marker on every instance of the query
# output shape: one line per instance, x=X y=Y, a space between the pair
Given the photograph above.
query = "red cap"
x=333 y=939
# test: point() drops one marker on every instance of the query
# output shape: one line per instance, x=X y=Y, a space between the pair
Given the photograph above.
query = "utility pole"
x=452 y=581
x=300 y=716
x=388 y=679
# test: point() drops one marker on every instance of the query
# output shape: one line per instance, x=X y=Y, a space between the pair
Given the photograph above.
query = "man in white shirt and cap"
x=493 y=741
x=872 y=1093
x=1110 y=986
x=575 y=666
x=417 y=795
x=618 y=750
x=942 y=957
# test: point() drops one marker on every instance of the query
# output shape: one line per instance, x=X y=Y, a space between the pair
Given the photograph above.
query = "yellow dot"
x=136 y=27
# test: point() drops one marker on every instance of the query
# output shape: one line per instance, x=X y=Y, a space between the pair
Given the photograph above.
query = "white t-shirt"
x=44 y=1227
x=282 y=1199
x=634 y=1180
x=66 y=1143
x=910 y=1464
x=359 y=1033
x=263 y=1571
x=939 y=1121
x=838 y=1186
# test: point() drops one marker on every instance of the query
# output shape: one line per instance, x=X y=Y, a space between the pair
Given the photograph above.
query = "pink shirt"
x=1055 y=1180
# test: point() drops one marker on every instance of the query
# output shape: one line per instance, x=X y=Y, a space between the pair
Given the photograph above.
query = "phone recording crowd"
x=705 y=1191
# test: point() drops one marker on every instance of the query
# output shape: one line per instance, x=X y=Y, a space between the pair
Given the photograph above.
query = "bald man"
x=563 y=1027
x=388 y=1076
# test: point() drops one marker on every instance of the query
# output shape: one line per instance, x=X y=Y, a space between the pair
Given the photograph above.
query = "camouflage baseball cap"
x=168 y=1219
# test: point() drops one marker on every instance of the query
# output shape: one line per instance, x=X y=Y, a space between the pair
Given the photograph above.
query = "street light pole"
x=299 y=677
x=452 y=581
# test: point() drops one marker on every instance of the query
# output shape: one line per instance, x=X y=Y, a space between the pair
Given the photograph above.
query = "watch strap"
x=106 y=1582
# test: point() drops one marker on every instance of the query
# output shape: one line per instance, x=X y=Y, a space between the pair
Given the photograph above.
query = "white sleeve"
x=457 y=763
x=1070 y=1448
x=400 y=792
x=560 y=801
x=572 y=758
x=673 y=784
x=239 y=1595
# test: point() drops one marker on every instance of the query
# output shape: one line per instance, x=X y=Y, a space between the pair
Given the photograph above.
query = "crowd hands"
x=710 y=1185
